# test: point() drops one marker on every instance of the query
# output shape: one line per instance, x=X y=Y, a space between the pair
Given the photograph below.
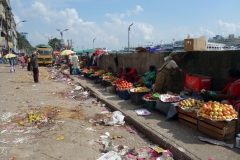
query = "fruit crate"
x=91 y=77
x=106 y=83
x=97 y=80
x=188 y=118
x=220 y=130
x=136 y=97
x=150 y=104
x=125 y=95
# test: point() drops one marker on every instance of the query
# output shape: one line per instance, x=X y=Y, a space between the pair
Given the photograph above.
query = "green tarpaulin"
x=81 y=52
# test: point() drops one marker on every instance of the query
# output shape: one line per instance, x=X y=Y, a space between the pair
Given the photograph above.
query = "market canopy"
x=56 y=52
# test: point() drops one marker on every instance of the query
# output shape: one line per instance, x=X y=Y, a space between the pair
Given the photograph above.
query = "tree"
x=55 y=43
x=24 y=44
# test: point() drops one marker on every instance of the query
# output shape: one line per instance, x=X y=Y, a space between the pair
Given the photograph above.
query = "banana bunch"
x=141 y=89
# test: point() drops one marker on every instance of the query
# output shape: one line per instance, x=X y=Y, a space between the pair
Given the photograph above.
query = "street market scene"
x=175 y=101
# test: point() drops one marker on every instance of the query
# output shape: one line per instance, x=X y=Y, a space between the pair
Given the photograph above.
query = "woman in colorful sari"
x=148 y=78
x=164 y=73
x=231 y=93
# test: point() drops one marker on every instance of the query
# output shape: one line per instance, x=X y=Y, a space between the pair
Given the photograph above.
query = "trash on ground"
x=216 y=142
x=142 y=112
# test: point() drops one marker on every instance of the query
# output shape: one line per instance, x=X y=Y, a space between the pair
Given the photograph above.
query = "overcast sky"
x=108 y=20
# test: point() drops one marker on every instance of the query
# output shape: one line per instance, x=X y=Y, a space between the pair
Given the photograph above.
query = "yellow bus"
x=45 y=56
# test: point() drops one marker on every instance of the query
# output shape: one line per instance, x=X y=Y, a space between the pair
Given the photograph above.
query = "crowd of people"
x=30 y=61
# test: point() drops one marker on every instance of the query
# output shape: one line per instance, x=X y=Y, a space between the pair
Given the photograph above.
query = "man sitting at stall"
x=148 y=79
x=231 y=93
x=130 y=74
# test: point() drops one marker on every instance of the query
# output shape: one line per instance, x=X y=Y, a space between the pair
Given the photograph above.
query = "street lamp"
x=128 y=37
x=61 y=32
x=21 y=21
x=93 y=42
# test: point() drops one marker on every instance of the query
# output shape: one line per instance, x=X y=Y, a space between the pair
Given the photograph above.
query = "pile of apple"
x=191 y=103
x=124 y=85
x=117 y=81
x=148 y=96
x=99 y=72
x=215 y=110
x=85 y=70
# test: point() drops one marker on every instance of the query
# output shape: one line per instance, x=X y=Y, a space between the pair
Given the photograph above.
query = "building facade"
x=8 y=37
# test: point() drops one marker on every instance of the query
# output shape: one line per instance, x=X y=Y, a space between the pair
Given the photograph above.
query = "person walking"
x=57 y=61
x=11 y=62
x=23 y=62
x=70 y=63
x=29 y=63
x=34 y=66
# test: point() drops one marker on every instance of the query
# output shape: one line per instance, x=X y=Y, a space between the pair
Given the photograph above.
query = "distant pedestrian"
x=29 y=63
x=34 y=66
x=57 y=60
x=22 y=62
x=94 y=60
x=11 y=62
x=70 y=64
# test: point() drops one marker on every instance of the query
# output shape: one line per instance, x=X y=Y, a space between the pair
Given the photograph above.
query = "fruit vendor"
x=148 y=78
x=130 y=74
x=231 y=92
x=164 y=73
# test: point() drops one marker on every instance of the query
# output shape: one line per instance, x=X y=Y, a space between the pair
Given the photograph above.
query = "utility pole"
x=93 y=42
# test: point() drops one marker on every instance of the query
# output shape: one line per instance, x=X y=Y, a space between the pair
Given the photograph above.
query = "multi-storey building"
x=8 y=36
x=229 y=41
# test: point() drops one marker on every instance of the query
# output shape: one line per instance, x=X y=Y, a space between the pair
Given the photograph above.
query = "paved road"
x=29 y=141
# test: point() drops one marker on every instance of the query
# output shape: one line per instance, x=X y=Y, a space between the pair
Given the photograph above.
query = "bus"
x=45 y=54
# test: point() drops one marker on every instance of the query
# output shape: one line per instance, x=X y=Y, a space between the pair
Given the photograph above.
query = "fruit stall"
x=219 y=121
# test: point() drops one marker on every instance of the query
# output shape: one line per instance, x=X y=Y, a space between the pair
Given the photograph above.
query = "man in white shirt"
x=70 y=63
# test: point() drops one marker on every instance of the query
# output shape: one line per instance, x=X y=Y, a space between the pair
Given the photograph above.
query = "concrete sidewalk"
x=181 y=139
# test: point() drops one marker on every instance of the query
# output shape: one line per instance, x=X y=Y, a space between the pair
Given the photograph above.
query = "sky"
x=108 y=21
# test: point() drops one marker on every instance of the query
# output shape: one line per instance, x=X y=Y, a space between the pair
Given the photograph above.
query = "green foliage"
x=24 y=44
x=55 y=43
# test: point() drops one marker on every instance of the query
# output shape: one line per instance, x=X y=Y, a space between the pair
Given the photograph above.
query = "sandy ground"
x=29 y=141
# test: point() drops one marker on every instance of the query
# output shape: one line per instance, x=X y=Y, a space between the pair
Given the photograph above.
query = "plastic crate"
x=86 y=75
x=91 y=77
x=97 y=80
x=150 y=104
x=125 y=95
x=136 y=97
x=106 y=83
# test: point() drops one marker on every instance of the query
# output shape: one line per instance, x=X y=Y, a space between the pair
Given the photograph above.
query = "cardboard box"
x=195 y=44
x=198 y=82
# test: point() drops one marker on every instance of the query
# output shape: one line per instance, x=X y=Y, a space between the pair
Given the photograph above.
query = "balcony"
x=6 y=4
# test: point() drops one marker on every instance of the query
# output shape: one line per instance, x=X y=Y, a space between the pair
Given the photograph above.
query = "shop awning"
x=56 y=52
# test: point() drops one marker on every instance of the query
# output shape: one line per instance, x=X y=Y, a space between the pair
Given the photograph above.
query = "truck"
x=45 y=54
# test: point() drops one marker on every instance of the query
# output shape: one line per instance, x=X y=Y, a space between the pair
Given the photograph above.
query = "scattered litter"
x=111 y=155
x=90 y=129
x=60 y=138
x=6 y=116
x=116 y=119
x=216 y=142
x=142 y=112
